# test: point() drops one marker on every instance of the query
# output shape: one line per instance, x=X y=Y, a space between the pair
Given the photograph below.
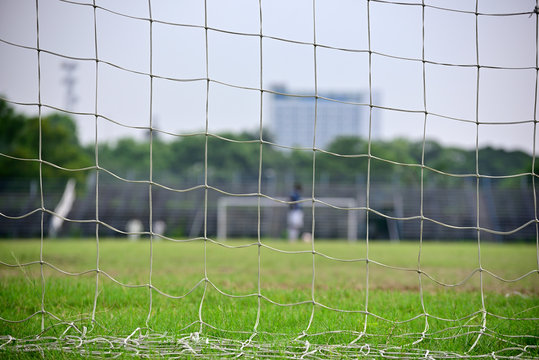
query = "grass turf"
x=286 y=278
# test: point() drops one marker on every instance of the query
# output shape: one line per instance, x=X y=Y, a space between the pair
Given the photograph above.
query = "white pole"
x=63 y=208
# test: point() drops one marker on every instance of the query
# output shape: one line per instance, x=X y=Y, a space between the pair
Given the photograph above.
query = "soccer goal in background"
x=174 y=78
x=237 y=216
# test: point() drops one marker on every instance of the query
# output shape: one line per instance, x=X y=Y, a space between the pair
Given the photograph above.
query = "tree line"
x=237 y=157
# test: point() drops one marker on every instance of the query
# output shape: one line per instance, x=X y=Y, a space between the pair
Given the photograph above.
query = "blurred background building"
x=337 y=114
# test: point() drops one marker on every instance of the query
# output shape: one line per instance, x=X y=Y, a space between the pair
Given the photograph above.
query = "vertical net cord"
x=477 y=178
x=150 y=186
x=369 y=156
x=96 y=153
x=535 y=131
x=422 y=180
x=313 y=222
x=40 y=148
x=205 y=167
x=260 y=135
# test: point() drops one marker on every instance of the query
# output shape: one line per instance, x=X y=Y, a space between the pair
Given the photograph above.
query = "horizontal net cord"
x=229 y=347
x=379 y=107
x=248 y=295
x=368 y=210
x=269 y=91
x=361 y=208
x=476 y=13
x=198 y=133
x=430 y=277
x=422 y=4
x=469 y=317
x=71 y=324
x=148 y=182
x=204 y=27
x=196 y=338
x=200 y=79
x=288 y=252
x=348 y=156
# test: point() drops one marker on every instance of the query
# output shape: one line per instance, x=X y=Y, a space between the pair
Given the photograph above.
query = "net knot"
x=9 y=340
x=195 y=337
x=365 y=349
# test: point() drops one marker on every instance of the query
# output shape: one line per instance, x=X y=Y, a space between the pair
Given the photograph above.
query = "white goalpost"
x=214 y=67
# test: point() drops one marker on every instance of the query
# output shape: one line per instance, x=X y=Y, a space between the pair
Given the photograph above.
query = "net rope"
x=143 y=341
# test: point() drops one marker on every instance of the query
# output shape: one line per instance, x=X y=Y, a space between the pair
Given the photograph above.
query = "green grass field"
x=396 y=317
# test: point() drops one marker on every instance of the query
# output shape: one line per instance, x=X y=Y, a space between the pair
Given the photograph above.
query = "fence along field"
x=187 y=293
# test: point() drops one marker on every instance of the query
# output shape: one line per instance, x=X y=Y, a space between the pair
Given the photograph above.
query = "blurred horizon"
x=239 y=165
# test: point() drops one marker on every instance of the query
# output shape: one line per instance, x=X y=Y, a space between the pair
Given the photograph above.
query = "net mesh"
x=199 y=338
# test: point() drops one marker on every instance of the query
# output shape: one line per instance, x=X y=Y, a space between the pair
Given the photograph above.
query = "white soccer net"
x=311 y=44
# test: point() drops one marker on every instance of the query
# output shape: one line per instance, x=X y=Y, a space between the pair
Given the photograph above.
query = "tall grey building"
x=293 y=118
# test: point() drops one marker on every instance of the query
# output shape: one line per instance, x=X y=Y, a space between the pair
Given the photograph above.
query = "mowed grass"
x=449 y=288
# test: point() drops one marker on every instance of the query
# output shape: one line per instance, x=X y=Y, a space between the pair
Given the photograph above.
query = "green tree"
x=60 y=146
x=126 y=157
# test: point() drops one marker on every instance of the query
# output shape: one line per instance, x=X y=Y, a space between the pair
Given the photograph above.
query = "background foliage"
x=184 y=157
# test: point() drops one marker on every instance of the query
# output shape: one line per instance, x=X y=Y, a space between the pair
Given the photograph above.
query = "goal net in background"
x=465 y=75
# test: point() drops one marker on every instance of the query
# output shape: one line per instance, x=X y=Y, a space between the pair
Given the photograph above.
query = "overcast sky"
x=179 y=53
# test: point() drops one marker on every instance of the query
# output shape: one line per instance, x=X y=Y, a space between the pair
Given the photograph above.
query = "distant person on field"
x=295 y=215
